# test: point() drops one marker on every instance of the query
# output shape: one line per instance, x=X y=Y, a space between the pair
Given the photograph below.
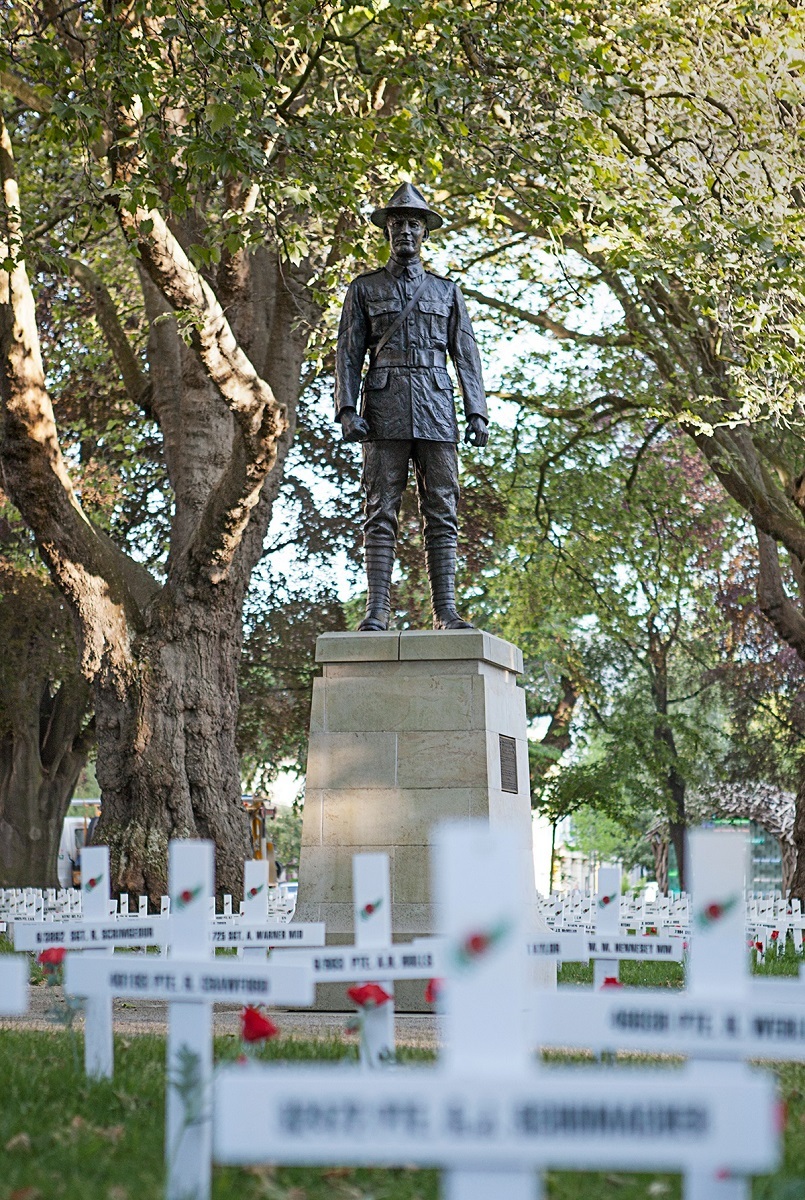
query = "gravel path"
x=150 y=1016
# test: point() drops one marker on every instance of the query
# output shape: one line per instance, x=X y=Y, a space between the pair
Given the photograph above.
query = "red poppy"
x=186 y=896
x=713 y=911
x=368 y=995
x=52 y=957
x=611 y=981
x=476 y=943
x=432 y=990
x=775 y=933
x=781 y=1115
x=255 y=1026
x=759 y=946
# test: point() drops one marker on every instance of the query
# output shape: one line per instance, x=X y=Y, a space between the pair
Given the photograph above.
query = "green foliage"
x=286 y=833
x=276 y=677
x=613 y=840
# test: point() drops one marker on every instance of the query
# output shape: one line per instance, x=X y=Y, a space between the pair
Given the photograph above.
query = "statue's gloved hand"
x=476 y=433
x=353 y=426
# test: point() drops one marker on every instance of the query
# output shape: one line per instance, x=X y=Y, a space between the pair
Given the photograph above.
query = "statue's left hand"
x=476 y=433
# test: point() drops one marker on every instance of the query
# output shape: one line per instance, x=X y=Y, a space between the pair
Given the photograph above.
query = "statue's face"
x=406 y=235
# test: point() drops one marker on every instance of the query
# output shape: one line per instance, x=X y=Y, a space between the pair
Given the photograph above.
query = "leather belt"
x=412 y=358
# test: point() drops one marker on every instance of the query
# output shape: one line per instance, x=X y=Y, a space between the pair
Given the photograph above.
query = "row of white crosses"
x=724 y=1015
x=191 y=980
x=577 y=910
x=373 y=956
x=36 y=903
x=98 y=933
x=609 y=946
x=487 y=1114
x=40 y=904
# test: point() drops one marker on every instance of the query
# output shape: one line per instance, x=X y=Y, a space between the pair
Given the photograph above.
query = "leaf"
x=220 y=115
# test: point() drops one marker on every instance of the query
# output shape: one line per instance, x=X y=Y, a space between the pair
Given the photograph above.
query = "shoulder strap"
x=395 y=325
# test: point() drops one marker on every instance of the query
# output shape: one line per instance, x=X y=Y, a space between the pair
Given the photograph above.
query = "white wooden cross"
x=13 y=984
x=487 y=1113
x=723 y=1014
x=373 y=957
x=191 y=980
x=99 y=1055
x=255 y=931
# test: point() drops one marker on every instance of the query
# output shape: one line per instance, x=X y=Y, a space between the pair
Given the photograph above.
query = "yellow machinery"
x=260 y=811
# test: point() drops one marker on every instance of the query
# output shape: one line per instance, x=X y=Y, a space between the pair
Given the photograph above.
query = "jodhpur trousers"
x=385 y=476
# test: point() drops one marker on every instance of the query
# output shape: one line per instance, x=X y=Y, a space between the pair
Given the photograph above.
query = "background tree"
x=46 y=728
x=200 y=136
x=664 y=161
x=616 y=596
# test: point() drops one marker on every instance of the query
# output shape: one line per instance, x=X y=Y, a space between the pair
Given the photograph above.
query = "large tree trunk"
x=659 y=846
x=40 y=762
x=167 y=760
x=798 y=877
x=664 y=737
x=163 y=657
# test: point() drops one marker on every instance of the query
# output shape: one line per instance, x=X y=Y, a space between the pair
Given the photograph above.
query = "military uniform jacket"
x=407 y=392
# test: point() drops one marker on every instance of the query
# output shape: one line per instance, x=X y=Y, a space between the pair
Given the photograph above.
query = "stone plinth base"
x=407 y=729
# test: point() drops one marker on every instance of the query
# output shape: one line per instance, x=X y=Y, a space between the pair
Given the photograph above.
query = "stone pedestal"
x=407 y=729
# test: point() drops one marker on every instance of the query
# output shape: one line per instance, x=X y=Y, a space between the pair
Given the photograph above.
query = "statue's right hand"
x=353 y=427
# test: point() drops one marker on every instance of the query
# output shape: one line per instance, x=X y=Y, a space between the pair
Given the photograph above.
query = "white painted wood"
x=255 y=905
x=480 y=1184
x=485 y=931
x=563 y=1118
x=607 y=924
x=486 y=1111
x=371 y=891
x=90 y=935
x=13 y=984
x=718 y=866
x=188 y=1134
x=721 y=1015
x=95 y=901
x=718 y=862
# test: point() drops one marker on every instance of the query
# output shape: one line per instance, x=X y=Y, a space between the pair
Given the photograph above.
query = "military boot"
x=379 y=565
x=442 y=576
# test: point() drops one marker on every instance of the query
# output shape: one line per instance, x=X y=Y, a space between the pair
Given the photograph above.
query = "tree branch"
x=38 y=101
x=260 y=420
x=103 y=585
x=136 y=382
x=543 y=321
x=780 y=611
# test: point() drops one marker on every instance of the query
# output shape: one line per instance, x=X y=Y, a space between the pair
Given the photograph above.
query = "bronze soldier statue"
x=409 y=320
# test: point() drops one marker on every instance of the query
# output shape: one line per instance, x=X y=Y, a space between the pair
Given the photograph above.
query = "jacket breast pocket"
x=382 y=314
x=377 y=379
x=436 y=313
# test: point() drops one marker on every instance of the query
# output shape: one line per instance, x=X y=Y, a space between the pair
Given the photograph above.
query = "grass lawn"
x=65 y=1138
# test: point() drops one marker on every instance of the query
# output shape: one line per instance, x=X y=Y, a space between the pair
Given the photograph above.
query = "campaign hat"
x=409 y=200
